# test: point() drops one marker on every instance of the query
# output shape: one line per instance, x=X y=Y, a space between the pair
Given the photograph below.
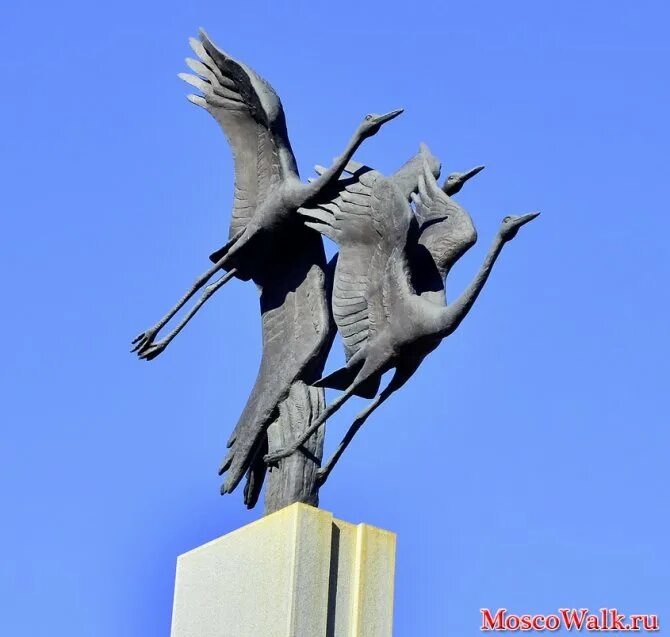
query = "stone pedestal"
x=296 y=573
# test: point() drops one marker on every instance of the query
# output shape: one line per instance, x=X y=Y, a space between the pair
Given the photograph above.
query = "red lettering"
x=553 y=622
x=592 y=623
x=512 y=622
x=653 y=622
x=617 y=620
x=572 y=618
x=526 y=623
x=607 y=619
x=493 y=623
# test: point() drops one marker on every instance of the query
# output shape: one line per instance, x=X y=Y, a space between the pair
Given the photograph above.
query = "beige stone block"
x=296 y=573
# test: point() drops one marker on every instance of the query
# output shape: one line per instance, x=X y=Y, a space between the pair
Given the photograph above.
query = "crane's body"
x=399 y=327
x=385 y=295
x=268 y=244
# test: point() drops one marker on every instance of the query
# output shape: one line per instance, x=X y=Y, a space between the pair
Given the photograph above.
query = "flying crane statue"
x=268 y=244
x=384 y=323
x=268 y=190
x=398 y=237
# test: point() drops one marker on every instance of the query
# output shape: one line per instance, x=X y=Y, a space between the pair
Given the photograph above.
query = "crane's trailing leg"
x=144 y=341
x=360 y=419
x=400 y=377
x=271 y=458
x=155 y=349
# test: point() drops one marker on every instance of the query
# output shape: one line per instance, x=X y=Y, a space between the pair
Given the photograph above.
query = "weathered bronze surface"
x=398 y=237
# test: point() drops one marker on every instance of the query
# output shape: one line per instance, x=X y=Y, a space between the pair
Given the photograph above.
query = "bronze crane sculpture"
x=398 y=238
x=269 y=244
x=384 y=323
x=445 y=231
x=268 y=189
x=445 y=234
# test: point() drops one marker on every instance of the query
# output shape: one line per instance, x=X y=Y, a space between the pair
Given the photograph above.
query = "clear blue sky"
x=525 y=465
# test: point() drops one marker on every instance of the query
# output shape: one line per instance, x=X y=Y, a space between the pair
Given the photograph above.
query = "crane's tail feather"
x=256 y=475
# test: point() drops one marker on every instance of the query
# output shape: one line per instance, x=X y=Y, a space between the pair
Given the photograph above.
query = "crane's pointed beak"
x=526 y=218
x=458 y=180
x=472 y=172
x=382 y=119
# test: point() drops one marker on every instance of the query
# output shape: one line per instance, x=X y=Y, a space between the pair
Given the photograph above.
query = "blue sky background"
x=525 y=466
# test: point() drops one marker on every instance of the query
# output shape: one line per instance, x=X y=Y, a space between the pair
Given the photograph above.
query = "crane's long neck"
x=331 y=175
x=452 y=316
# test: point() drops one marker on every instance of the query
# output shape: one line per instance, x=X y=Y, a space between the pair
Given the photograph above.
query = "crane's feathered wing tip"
x=202 y=34
x=434 y=163
x=430 y=201
x=231 y=482
x=252 y=489
x=427 y=182
x=225 y=465
x=208 y=43
x=193 y=80
x=235 y=473
x=198 y=100
x=199 y=50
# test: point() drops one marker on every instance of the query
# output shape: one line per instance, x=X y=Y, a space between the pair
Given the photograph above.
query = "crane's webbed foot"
x=152 y=350
x=322 y=475
x=144 y=341
x=274 y=457
x=144 y=345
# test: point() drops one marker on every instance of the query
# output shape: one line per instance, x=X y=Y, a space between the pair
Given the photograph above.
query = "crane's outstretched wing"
x=369 y=219
x=407 y=176
x=252 y=118
x=297 y=326
x=297 y=336
x=446 y=228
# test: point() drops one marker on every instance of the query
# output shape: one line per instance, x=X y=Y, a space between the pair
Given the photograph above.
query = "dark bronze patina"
x=398 y=237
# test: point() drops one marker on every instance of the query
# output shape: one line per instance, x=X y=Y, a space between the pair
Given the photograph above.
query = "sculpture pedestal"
x=296 y=573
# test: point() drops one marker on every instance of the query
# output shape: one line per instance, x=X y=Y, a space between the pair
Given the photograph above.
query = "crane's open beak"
x=382 y=119
x=472 y=172
x=526 y=218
